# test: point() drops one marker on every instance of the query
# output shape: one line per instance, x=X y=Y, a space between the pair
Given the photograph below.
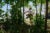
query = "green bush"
x=39 y=24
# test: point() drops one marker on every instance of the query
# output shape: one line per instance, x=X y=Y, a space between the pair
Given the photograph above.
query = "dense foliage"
x=14 y=23
x=39 y=24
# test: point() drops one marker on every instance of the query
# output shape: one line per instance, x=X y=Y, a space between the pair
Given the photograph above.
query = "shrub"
x=39 y=24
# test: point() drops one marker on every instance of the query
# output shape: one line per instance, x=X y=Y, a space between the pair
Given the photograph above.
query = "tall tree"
x=46 y=16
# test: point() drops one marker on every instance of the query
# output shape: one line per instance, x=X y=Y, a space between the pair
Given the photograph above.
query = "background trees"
x=14 y=23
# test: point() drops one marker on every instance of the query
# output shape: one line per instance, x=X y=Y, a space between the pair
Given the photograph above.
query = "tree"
x=17 y=24
x=46 y=16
